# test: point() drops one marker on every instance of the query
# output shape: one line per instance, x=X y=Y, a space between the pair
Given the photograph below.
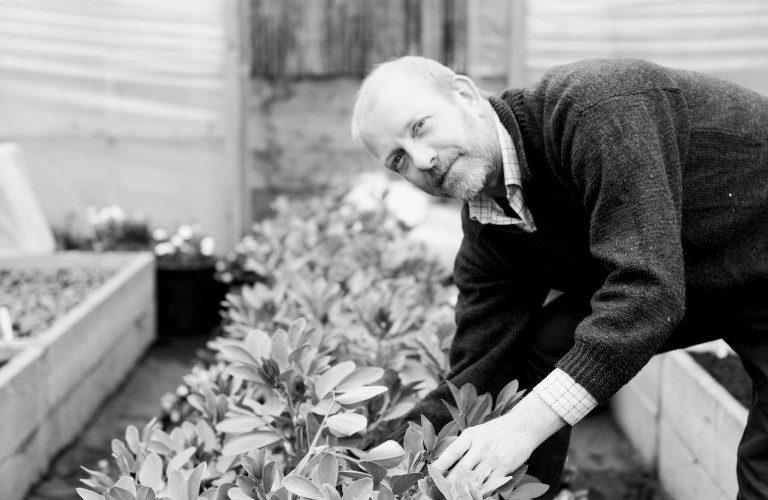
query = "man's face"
x=438 y=143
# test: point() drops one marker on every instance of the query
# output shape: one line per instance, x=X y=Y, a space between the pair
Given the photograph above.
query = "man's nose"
x=424 y=158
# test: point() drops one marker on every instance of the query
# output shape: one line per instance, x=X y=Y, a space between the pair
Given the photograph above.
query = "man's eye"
x=396 y=161
x=418 y=126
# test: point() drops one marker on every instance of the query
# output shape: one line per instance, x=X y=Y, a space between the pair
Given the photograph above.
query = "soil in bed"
x=729 y=372
x=36 y=297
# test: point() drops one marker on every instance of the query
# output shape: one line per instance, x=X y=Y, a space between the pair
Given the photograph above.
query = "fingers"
x=467 y=463
x=455 y=451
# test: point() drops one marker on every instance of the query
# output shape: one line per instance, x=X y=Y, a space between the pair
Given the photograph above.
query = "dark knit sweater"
x=649 y=190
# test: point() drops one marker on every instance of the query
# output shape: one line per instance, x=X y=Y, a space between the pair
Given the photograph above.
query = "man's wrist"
x=535 y=418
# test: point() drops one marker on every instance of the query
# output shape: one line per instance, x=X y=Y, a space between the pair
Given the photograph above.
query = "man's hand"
x=501 y=445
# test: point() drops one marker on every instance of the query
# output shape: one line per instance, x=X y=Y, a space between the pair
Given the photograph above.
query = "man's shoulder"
x=585 y=83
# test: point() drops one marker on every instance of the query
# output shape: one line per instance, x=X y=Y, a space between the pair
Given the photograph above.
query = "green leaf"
x=527 y=491
x=238 y=354
x=116 y=493
x=402 y=483
x=177 y=486
x=329 y=492
x=145 y=493
x=377 y=472
x=505 y=395
x=207 y=435
x=385 y=494
x=159 y=448
x=126 y=483
x=258 y=344
x=479 y=410
x=301 y=486
x=252 y=441
x=457 y=416
x=443 y=444
x=362 y=376
x=359 y=490
x=413 y=440
x=332 y=377
x=280 y=349
x=239 y=425
x=151 y=472
x=449 y=429
x=455 y=392
x=494 y=484
x=468 y=395
x=428 y=431
x=297 y=328
x=119 y=449
x=244 y=372
x=102 y=479
x=195 y=479
x=440 y=482
x=346 y=424
x=181 y=458
x=325 y=407
x=388 y=454
x=133 y=440
x=88 y=494
x=280 y=494
x=360 y=394
x=328 y=470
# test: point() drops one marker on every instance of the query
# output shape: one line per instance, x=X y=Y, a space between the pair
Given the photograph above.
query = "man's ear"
x=466 y=92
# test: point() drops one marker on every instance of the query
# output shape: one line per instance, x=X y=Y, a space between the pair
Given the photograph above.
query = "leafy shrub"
x=303 y=407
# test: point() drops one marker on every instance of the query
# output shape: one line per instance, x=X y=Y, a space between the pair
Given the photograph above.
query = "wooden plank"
x=237 y=73
x=704 y=416
x=23 y=396
x=637 y=416
x=518 y=25
x=432 y=29
x=680 y=473
x=123 y=303
x=66 y=419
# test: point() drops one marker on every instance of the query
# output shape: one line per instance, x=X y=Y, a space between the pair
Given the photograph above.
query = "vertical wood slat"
x=516 y=66
x=328 y=38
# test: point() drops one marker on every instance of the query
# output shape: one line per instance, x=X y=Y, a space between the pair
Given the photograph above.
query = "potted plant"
x=188 y=295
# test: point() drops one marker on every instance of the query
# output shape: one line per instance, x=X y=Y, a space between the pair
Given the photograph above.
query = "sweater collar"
x=512 y=123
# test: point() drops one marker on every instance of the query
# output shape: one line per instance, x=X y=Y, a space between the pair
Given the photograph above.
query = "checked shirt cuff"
x=566 y=396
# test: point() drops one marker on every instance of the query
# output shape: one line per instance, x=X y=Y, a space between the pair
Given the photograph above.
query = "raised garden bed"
x=36 y=297
x=729 y=372
x=685 y=424
x=57 y=373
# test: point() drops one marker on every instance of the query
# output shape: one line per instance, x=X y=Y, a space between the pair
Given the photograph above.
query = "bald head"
x=429 y=125
x=427 y=72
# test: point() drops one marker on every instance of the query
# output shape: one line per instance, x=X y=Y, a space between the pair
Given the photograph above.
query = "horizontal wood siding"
x=727 y=39
x=134 y=102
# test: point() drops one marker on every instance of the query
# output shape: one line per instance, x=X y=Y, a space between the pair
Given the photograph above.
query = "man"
x=640 y=192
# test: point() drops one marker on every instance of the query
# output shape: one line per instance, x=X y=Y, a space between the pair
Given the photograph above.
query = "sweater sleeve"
x=494 y=306
x=624 y=158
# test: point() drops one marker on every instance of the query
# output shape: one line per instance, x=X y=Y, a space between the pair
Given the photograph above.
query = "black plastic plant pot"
x=188 y=298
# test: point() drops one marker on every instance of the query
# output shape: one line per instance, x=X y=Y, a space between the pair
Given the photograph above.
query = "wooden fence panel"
x=330 y=38
x=134 y=102
x=727 y=39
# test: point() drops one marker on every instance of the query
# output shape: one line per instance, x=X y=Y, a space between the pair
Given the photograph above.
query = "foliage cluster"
x=111 y=229
x=303 y=407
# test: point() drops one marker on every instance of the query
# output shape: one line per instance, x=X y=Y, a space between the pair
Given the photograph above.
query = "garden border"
x=53 y=385
x=684 y=424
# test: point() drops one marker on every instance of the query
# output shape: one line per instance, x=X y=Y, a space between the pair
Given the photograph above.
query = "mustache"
x=441 y=164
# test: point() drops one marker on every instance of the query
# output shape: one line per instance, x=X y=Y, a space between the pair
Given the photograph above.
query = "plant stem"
x=311 y=447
